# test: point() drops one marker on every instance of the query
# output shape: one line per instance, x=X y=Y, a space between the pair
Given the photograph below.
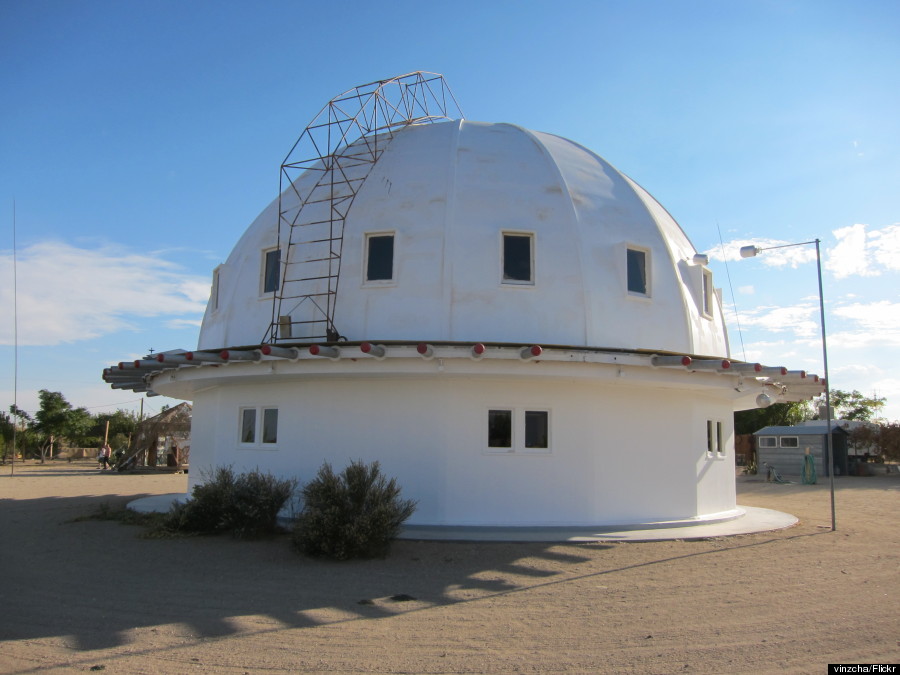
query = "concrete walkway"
x=752 y=520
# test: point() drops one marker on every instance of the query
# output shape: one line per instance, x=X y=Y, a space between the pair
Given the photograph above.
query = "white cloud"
x=882 y=316
x=184 y=323
x=863 y=253
x=849 y=256
x=67 y=294
x=802 y=319
x=886 y=247
x=871 y=324
x=746 y=290
x=806 y=355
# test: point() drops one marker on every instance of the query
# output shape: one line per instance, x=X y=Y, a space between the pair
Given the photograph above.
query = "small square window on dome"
x=518 y=258
x=271 y=270
x=379 y=258
x=637 y=271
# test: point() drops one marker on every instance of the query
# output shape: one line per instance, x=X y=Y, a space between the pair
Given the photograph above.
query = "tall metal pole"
x=751 y=251
x=12 y=466
x=828 y=442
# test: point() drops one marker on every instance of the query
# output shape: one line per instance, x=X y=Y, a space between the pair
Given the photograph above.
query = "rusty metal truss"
x=321 y=176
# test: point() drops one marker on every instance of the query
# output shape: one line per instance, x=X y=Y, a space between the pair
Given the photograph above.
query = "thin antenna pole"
x=12 y=465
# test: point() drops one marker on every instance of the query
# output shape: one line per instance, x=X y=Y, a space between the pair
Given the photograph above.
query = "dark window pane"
x=516 y=257
x=380 y=264
x=536 y=433
x=273 y=271
x=270 y=425
x=637 y=271
x=248 y=425
x=500 y=428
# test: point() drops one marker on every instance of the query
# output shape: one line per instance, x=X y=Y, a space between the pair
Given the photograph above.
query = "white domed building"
x=515 y=330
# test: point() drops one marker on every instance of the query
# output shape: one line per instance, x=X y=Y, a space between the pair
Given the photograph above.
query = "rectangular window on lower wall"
x=258 y=427
x=500 y=430
x=715 y=438
x=518 y=430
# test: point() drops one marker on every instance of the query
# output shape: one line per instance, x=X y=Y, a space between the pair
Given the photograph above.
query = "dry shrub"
x=354 y=514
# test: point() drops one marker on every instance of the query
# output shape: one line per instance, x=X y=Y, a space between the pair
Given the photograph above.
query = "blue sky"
x=139 y=139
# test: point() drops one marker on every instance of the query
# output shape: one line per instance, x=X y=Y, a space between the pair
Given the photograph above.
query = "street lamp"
x=752 y=251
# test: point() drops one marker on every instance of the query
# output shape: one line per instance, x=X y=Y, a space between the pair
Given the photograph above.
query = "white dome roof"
x=448 y=193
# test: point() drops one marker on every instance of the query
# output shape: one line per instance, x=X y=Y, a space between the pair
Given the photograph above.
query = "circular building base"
x=750 y=521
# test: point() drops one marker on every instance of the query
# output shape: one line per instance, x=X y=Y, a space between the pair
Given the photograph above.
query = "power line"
x=737 y=317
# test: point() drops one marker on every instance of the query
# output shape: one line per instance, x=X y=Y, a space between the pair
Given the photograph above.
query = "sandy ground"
x=93 y=595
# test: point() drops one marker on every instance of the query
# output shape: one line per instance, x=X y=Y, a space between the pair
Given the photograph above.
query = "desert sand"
x=93 y=595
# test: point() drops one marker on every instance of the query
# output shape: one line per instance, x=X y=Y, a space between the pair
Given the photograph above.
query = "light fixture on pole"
x=752 y=251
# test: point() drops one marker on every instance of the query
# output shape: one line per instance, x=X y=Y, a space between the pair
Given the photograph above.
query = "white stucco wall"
x=619 y=454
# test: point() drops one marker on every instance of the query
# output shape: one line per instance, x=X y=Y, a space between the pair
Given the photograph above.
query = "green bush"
x=245 y=505
x=354 y=514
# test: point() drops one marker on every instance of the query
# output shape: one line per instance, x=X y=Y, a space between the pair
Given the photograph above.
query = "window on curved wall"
x=518 y=258
x=270 y=425
x=518 y=431
x=258 y=426
x=379 y=257
x=214 y=292
x=638 y=281
x=271 y=270
x=248 y=425
x=715 y=438
x=500 y=429
x=537 y=430
x=707 y=293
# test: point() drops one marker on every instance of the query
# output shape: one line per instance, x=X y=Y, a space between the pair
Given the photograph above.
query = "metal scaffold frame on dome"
x=340 y=147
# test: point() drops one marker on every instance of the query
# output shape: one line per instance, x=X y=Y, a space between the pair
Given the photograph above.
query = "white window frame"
x=532 y=246
x=648 y=276
x=260 y=427
x=767 y=444
x=707 y=294
x=715 y=438
x=518 y=433
x=368 y=236
x=216 y=288
x=263 y=293
x=796 y=440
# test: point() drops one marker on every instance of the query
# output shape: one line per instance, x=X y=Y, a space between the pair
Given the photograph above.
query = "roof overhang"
x=181 y=374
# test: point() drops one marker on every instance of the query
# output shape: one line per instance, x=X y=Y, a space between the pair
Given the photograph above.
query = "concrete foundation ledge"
x=742 y=520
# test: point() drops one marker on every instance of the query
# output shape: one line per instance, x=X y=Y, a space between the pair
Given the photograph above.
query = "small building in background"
x=161 y=440
x=784 y=447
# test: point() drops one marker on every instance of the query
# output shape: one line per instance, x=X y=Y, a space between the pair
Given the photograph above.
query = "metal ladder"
x=320 y=178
